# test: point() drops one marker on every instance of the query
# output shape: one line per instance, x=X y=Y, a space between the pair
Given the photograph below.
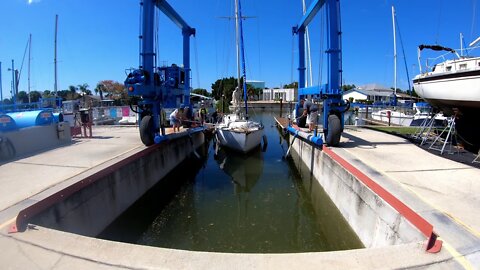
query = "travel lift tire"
x=334 y=131
x=146 y=130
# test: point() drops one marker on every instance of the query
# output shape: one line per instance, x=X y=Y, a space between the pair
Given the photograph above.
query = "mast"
x=461 y=44
x=14 y=83
x=55 y=56
x=309 y=55
x=394 y=53
x=237 y=42
x=243 y=60
x=29 y=58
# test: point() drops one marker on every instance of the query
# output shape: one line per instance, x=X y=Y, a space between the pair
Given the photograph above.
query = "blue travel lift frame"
x=158 y=87
x=333 y=104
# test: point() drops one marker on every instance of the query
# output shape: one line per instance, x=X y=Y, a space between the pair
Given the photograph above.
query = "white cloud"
x=33 y=1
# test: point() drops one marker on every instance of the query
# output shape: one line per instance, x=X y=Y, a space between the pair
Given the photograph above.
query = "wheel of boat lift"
x=146 y=130
x=334 y=130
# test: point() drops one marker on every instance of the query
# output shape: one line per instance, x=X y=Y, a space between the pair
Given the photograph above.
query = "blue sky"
x=98 y=40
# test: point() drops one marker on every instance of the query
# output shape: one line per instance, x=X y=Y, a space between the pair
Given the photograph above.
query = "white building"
x=288 y=94
x=372 y=92
x=256 y=84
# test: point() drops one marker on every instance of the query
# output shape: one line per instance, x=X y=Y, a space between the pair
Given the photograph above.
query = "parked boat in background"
x=421 y=112
x=237 y=131
x=453 y=86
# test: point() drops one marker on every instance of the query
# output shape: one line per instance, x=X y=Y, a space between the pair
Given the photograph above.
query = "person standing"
x=202 y=114
x=306 y=111
x=176 y=118
x=313 y=116
x=215 y=116
x=300 y=117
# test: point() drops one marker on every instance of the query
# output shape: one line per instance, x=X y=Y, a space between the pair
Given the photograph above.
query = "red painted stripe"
x=419 y=222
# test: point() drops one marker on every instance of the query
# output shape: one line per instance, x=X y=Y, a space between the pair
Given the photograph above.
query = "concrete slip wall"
x=376 y=223
x=90 y=210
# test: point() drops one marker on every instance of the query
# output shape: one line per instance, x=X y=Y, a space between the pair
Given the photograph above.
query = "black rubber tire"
x=146 y=130
x=334 y=131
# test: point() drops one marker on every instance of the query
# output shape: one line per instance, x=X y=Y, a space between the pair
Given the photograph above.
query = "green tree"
x=347 y=87
x=83 y=88
x=100 y=89
x=64 y=94
x=72 y=93
x=224 y=87
x=22 y=97
x=35 y=96
x=47 y=94
x=291 y=85
x=201 y=91
x=114 y=90
x=7 y=101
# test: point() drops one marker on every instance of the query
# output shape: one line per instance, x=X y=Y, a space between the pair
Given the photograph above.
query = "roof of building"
x=382 y=93
x=374 y=87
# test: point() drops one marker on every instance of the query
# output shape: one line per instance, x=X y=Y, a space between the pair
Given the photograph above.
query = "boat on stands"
x=236 y=131
x=453 y=86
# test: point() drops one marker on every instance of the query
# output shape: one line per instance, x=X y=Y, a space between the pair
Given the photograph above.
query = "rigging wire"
x=340 y=55
x=293 y=58
x=196 y=61
x=403 y=51
x=23 y=61
x=259 y=41
x=322 y=46
x=474 y=10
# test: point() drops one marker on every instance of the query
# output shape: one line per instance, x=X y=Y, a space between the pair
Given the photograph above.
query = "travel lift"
x=334 y=106
x=158 y=87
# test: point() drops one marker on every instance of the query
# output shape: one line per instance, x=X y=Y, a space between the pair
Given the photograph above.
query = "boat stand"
x=477 y=158
x=425 y=131
x=439 y=143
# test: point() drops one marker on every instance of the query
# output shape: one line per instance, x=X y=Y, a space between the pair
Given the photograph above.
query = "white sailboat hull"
x=446 y=93
x=241 y=141
x=396 y=118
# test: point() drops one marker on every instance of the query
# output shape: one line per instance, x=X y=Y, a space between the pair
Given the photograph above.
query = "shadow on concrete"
x=357 y=142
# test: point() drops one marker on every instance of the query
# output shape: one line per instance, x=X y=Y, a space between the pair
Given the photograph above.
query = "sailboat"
x=236 y=131
x=453 y=86
x=399 y=118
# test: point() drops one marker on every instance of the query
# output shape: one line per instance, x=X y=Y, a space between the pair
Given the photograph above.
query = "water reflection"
x=244 y=170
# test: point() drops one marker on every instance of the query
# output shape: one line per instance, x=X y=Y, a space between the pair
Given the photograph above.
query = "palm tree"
x=83 y=88
x=100 y=89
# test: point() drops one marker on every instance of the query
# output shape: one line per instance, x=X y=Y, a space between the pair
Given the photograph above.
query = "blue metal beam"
x=173 y=15
x=312 y=10
x=187 y=31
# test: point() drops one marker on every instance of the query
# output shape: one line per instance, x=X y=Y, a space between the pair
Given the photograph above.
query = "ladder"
x=440 y=143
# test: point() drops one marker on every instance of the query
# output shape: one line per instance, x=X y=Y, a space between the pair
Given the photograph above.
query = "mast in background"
x=55 y=57
x=29 y=59
x=394 y=53
x=309 y=55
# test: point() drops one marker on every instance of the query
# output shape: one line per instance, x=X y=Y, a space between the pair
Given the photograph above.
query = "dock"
x=443 y=192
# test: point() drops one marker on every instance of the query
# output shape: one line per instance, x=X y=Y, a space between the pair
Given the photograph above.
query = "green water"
x=236 y=203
